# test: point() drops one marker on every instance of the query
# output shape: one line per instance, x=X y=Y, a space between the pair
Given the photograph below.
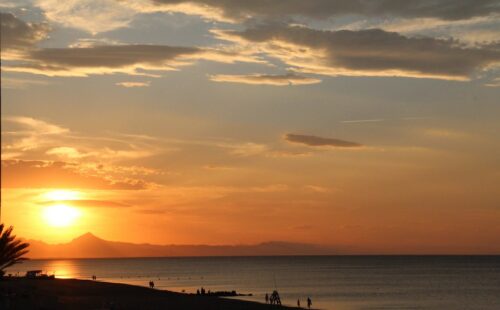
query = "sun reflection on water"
x=62 y=269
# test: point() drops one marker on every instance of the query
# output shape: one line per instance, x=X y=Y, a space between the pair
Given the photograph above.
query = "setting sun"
x=61 y=215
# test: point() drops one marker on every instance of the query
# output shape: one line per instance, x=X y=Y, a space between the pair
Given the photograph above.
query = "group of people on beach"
x=275 y=299
x=151 y=284
x=202 y=291
x=309 y=302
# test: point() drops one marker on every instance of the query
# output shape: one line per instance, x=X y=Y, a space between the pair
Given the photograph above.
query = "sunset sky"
x=365 y=125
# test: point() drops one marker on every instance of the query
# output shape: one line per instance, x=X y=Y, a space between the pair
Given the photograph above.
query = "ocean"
x=332 y=282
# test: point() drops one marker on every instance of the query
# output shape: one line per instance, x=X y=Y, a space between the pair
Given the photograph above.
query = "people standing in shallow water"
x=309 y=303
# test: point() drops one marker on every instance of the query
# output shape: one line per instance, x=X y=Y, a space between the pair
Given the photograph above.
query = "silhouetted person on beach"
x=197 y=292
x=267 y=298
x=151 y=284
x=202 y=291
x=298 y=303
x=309 y=303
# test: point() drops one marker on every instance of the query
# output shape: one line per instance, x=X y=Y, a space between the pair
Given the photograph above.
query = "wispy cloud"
x=36 y=125
x=376 y=120
x=493 y=83
x=134 y=84
x=380 y=120
x=444 y=133
x=288 y=154
x=93 y=16
x=266 y=79
x=46 y=174
x=316 y=141
x=317 y=189
x=245 y=149
x=33 y=137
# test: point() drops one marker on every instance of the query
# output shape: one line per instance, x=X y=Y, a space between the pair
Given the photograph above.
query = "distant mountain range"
x=90 y=246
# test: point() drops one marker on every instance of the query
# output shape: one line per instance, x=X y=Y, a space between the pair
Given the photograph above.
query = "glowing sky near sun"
x=368 y=128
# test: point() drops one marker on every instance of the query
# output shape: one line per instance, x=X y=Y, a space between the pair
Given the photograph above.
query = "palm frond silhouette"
x=12 y=249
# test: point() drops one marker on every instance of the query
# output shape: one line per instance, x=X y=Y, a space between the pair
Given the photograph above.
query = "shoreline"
x=23 y=293
x=264 y=256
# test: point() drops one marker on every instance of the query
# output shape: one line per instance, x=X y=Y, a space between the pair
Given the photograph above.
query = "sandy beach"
x=21 y=293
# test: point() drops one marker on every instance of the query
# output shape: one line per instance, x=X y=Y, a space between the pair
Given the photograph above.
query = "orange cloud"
x=42 y=174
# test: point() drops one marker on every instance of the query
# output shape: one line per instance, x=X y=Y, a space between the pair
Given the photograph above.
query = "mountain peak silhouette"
x=90 y=246
x=87 y=236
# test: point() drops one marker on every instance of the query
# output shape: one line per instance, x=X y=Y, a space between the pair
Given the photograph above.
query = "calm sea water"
x=332 y=282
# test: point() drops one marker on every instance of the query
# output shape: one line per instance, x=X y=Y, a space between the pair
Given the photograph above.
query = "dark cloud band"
x=110 y=55
x=372 y=52
x=17 y=34
x=441 y=9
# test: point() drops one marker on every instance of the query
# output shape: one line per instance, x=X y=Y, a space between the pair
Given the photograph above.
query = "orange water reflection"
x=62 y=269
